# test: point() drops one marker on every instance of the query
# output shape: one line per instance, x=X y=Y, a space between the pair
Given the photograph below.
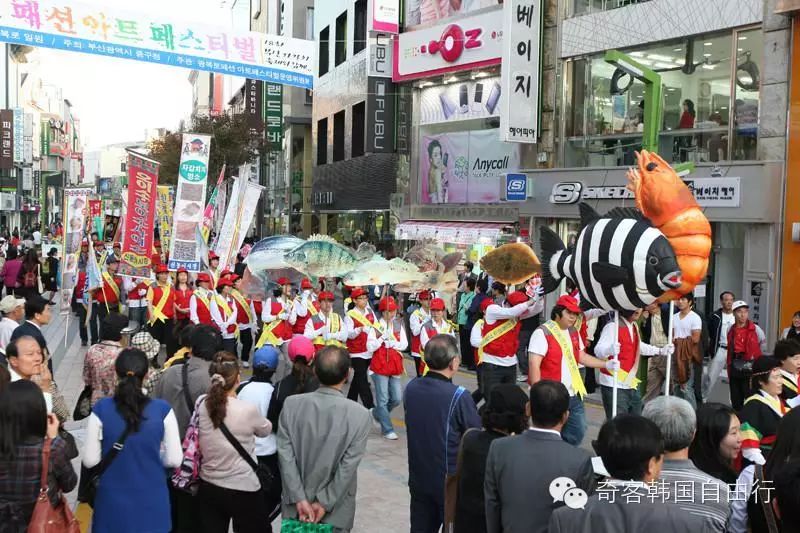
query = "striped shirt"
x=695 y=492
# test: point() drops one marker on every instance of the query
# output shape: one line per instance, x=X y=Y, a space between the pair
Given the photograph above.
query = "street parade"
x=473 y=266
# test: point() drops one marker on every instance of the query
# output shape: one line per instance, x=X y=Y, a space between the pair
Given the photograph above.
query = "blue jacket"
x=437 y=413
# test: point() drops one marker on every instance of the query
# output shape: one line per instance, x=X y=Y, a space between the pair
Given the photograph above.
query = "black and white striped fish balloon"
x=619 y=262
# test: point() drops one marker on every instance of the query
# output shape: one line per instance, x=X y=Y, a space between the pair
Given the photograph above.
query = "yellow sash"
x=221 y=302
x=111 y=283
x=565 y=343
x=777 y=406
x=448 y=329
x=202 y=295
x=267 y=336
x=495 y=334
x=158 y=310
x=356 y=315
x=214 y=278
x=334 y=326
x=480 y=324
x=789 y=384
x=243 y=302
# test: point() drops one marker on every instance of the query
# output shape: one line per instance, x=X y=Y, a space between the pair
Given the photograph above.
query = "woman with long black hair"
x=717 y=441
x=28 y=279
x=132 y=491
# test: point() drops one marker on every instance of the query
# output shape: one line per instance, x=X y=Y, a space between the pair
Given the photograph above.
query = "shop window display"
x=710 y=95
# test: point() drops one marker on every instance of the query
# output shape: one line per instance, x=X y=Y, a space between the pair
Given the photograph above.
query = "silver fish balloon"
x=267 y=254
x=379 y=271
x=323 y=257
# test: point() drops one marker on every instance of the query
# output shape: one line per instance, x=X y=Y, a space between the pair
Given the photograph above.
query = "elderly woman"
x=762 y=412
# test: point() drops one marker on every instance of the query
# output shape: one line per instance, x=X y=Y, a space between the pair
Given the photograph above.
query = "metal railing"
x=584 y=7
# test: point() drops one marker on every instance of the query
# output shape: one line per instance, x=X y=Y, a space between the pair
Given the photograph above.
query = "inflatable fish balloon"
x=620 y=261
x=323 y=257
x=511 y=263
x=429 y=257
x=379 y=271
x=267 y=254
x=666 y=201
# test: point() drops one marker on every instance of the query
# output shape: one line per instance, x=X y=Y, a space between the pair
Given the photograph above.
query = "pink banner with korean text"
x=137 y=242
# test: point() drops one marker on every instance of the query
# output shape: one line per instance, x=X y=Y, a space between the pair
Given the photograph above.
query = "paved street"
x=383 y=493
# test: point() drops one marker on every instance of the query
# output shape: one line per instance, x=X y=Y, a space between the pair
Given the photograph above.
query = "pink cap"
x=301 y=346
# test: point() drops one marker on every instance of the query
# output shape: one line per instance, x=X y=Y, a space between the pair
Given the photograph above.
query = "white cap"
x=740 y=303
x=9 y=303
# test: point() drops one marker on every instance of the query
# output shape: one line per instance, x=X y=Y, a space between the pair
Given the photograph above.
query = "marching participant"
x=106 y=298
x=501 y=338
x=245 y=318
x=137 y=302
x=213 y=268
x=183 y=294
x=223 y=314
x=475 y=339
x=161 y=310
x=436 y=325
x=359 y=320
x=200 y=301
x=628 y=349
x=303 y=306
x=326 y=327
x=275 y=315
x=555 y=350
x=415 y=322
x=387 y=364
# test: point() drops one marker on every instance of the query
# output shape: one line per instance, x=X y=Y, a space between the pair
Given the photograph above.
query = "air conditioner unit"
x=8 y=202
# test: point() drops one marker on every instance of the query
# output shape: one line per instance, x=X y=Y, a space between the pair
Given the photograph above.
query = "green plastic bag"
x=290 y=525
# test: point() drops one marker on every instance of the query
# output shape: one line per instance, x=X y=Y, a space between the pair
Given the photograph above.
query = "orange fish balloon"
x=669 y=204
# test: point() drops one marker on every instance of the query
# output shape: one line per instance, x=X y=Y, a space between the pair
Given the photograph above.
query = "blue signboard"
x=516 y=187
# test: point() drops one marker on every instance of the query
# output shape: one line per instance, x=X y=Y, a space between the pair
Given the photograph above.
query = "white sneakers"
x=391 y=436
x=245 y=364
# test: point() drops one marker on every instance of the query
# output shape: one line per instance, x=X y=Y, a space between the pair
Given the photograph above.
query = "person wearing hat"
x=223 y=314
x=387 y=364
x=300 y=380
x=183 y=295
x=326 y=327
x=275 y=316
x=213 y=268
x=245 y=318
x=498 y=350
x=415 y=321
x=106 y=298
x=475 y=338
x=555 y=351
x=200 y=301
x=258 y=390
x=359 y=320
x=13 y=311
x=627 y=346
x=763 y=410
x=161 y=310
x=746 y=343
x=303 y=307
x=98 y=364
x=437 y=324
x=136 y=290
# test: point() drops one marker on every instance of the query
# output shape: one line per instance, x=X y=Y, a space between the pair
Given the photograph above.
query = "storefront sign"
x=471 y=42
x=380 y=55
x=464 y=167
x=516 y=187
x=460 y=101
x=190 y=198
x=419 y=12
x=273 y=113
x=757 y=289
x=405 y=99
x=380 y=115
x=27 y=178
x=709 y=192
x=519 y=119
x=19 y=134
x=6 y=139
x=385 y=16
x=254 y=105
x=137 y=241
x=475 y=213
x=27 y=132
x=78 y=27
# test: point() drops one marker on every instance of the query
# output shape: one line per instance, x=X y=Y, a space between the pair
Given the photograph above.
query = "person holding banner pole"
x=621 y=340
x=200 y=301
x=223 y=313
x=245 y=318
x=106 y=298
x=161 y=312
x=213 y=268
x=137 y=303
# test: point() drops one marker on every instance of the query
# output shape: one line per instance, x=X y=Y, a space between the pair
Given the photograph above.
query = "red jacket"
x=743 y=340
x=182 y=298
x=387 y=362
x=80 y=285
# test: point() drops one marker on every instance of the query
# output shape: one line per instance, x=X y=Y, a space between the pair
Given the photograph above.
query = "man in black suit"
x=37 y=314
x=525 y=472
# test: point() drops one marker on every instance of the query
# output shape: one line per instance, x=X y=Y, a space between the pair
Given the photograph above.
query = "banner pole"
x=616 y=356
x=669 y=341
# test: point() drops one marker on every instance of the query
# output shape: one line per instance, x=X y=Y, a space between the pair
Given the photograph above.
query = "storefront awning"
x=452 y=232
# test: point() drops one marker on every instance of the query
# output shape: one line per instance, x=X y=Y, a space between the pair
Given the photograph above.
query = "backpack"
x=29 y=280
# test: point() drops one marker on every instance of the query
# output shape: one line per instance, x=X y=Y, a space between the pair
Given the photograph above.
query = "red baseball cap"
x=224 y=282
x=516 y=298
x=485 y=303
x=161 y=268
x=569 y=303
x=387 y=304
x=358 y=291
x=283 y=281
x=232 y=277
x=212 y=255
x=424 y=295
x=306 y=284
x=182 y=269
x=437 y=304
x=203 y=277
x=225 y=273
x=325 y=295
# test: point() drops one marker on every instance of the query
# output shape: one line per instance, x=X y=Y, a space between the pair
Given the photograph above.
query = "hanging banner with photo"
x=95 y=214
x=519 y=118
x=137 y=241
x=166 y=199
x=76 y=202
x=238 y=218
x=465 y=167
x=190 y=198
x=154 y=38
x=208 y=214
x=429 y=11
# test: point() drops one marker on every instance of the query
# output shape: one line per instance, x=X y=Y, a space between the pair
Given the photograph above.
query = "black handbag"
x=83 y=407
x=265 y=476
x=740 y=368
x=97 y=472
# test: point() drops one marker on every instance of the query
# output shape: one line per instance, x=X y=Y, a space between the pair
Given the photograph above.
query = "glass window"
x=360 y=26
x=324 y=50
x=747 y=82
x=340 y=48
x=322 y=141
x=338 y=136
x=359 y=128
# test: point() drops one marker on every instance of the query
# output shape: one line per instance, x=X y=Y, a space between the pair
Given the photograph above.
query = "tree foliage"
x=232 y=143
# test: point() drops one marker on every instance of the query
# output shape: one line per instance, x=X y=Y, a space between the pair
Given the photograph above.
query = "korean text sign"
x=137 y=242
x=150 y=37
x=519 y=116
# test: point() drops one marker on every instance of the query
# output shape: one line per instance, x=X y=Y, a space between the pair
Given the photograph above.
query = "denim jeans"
x=575 y=428
x=494 y=375
x=628 y=401
x=387 y=396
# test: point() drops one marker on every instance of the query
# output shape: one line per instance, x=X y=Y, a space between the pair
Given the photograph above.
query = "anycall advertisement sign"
x=472 y=42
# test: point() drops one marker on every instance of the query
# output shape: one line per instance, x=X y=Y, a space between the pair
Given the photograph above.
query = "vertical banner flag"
x=6 y=139
x=273 y=114
x=239 y=215
x=19 y=134
x=95 y=213
x=76 y=202
x=521 y=67
x=190 y=196
x=164 y=207
x=208 y=214
x=137 y=241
